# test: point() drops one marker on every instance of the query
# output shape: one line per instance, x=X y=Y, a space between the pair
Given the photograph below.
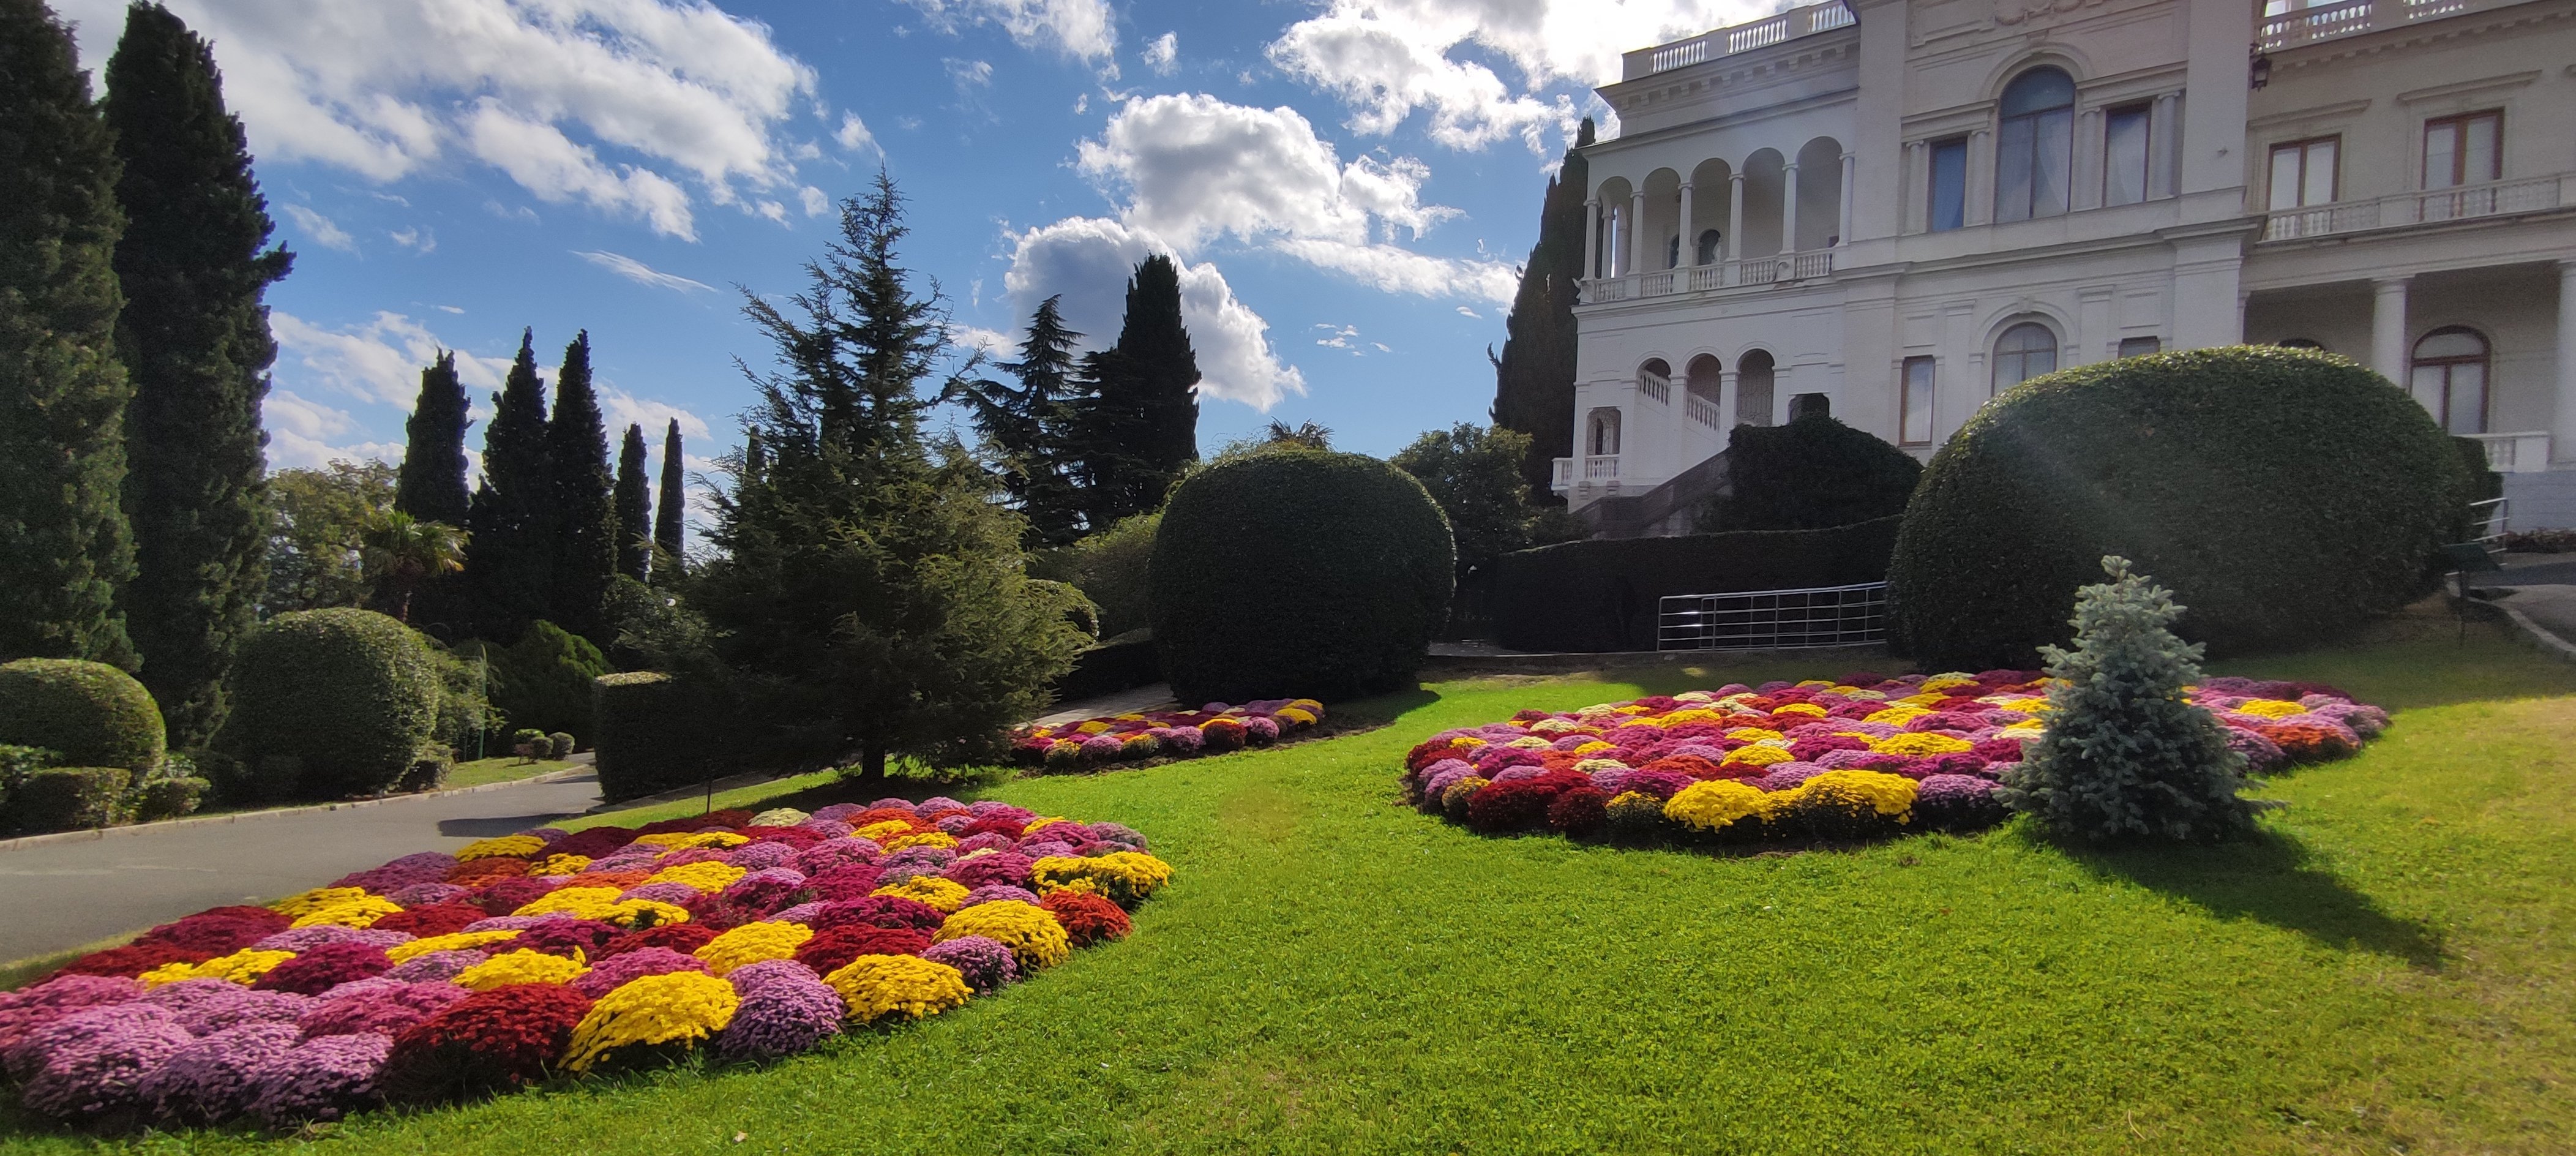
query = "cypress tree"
x=510 y=557
x=585 y=519
x=194 y=265
x=634 y=508
x=431 y=487
x=1138 y=428
x=64 y=543
x=666 y=517
x=1534 y=378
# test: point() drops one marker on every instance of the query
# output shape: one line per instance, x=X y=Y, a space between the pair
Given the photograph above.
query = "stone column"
x=1637 y=231
x=1917 y=216
x=1980 y=185
x=1734 y=244
x=2388 y=329
x=2089 y=162
x=1592 y=237
x=1789 y=208
x=2164 y=133
x=1726 y=399
x=1843 y=219
x=2562 y=427
x=1686 y=253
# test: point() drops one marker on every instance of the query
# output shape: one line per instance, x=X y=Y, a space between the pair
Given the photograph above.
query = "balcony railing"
x=2285 y=25
x=1590 y=470
x=1701 y=409
x=1764 y=33
x=1656 y=386
x=2428 y=207
x=2516 y=453
x=1751 y=272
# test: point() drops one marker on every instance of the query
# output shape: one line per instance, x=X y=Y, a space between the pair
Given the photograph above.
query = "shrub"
x=2284 y=494
x=542 y=681
x=169 y=798
x=489 y=1042
x=559 y=746
x=645 y=739
x=1600 y=596
x=1112 y=568
x=1814 y=473
x=1298 y=572
x=350 y=696
x=529 y=743
x=68 y=798
x=93 y=714
x=2126 y=753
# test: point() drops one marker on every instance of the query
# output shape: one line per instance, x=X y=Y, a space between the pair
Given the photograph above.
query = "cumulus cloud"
x=1088 y=260
x=639 y=272
x=853 y=133
x=1387 y=59
x=389 y=88
x=320 y=230
x=1082 y=29
x=304 y=434
x=1163 y=53
x=418 y=240
x=622 y=409
x=378 y=360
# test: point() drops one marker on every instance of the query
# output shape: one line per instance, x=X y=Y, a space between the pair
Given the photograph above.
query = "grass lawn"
x=503 y=769
x=2389 y=969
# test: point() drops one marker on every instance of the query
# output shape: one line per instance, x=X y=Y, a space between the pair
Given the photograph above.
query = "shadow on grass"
x=2271 y=878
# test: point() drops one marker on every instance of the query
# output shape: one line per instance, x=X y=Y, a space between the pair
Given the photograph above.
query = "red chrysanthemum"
x=2307 y=743
x=323 y=968
x=797 y=837
x=1580 y=812
x=830 y=951
x=565 y=936
x=875 y=815
x=218 y=933
x=878 y=911
x=1087 y=918
x=507 y=895
x=684 y=938
x=591 y=843
x=1696 y=766
x=1008 y=868
x=133 y=959
x=476 y=872
x=1004 y=826
x=488 y=1042
x=713 y=910
x=850 y=882
x=432 y=919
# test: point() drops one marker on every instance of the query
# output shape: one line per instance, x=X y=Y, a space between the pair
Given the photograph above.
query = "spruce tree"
x=634 y=508
x=194 y=265
x=1534 y=378
x=667 y=532
x=510 y=557
x=585 y=518
x=869 y=593
x=64 y=542
x=1027 y=429
x=431 y=487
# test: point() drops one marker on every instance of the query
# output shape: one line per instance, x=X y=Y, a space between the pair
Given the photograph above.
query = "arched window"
x=1707 y=251
x=1655 y=380
x=2035 y=145
x=1753 y=377
x=2450 y=378
x=2024 y=351
x=1601 y=438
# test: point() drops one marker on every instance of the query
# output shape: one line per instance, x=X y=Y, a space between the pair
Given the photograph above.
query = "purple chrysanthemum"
x=998 y=892
x=320 y=1079
x=211 y=1080
x=249 y=1007
x=626 y=966
x=303 y=939
x=437 y=966
x=678 y=893
x=378 y=1006
x=785 y=1009
x=94 y=1062
x=986 y=963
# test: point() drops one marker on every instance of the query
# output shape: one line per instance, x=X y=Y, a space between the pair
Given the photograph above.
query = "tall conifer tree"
x=1138 y=426
x=667 y=532
x=64 y=542
x=585 y=517
x=1534 y=378
x=634 y=508
x=511 y=555
x=431 y=487
x=1027 y=428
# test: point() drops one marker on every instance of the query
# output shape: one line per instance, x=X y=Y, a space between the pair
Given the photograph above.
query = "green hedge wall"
x=1298 y=572
x=92 y=714
x=2281 y=494
x=344 y=700
x=67 y=798
x=1590 y=597
x=1814 y=473
x=648 y=727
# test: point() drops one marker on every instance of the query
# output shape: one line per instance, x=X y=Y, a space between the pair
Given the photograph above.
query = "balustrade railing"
x=2286 y=25
x=1656 y=386
x=1747 y=272
x=1700 y=409
x=2428 y=206
x=1763 y=33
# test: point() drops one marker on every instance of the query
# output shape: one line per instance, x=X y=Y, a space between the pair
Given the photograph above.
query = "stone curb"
x=2533 y=634
x=720 y=786
x=94 y=833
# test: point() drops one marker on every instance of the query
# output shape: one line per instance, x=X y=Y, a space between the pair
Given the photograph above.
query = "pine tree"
x=667 y=532
x=2126 y=754
x=64 y=542
x=1534 y=378
x=634 y=508
x=509 y=558
x=194 y=265
x=1027 y=428
x=1138 y=418
x=585 y=518
x=868 y=591
x=432 y=483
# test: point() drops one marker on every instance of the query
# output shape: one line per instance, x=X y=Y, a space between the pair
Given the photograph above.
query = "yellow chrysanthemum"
x=578 y=902
x=877 y=986
x=453 y=941
x=700 y=876
x=644 y=913
x=1922 y=743
x=1466 y=741
x=2021 y=731
x=1093 y=727
x=361 y=912
x=656 y=1009
x=1885 y=793
x=945 y=894
x=1808 y=709
x=1293 y=714
x=1592 y=766
x=753 y=943
x=1528 y=743
x=240 y=967
x=560 y=865
x=1757 y=755
x=924 y=839
x=304 y=903
x=1857 y=694
x=1691 y=715
x=1124 y=876
x=1896 y=716
x=779 y=817
x=2271 y=708
x=1595 y=747
x=1711 y=805
x=1752 y=734
x=521 y=966
x=887 y=829
x=505 y=845
x=1558 y=727
x=1031 y=932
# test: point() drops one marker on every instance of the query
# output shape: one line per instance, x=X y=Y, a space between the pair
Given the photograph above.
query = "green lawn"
x=504 y=769
x=2390 y=969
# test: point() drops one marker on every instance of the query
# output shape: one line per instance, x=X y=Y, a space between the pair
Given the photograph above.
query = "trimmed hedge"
x=1814 y=473
x=648 y=734
x=1298 y=572
x=2281 y=494
x=68 y=798
x=542 y=681
x=169 y=798
x=342 y=700
x=93 y=714
x=1589 y=597
x=1111 y=667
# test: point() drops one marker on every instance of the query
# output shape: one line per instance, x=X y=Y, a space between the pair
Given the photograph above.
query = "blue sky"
x=1348 y=183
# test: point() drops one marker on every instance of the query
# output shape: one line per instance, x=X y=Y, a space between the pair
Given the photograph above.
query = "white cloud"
x=1163 y=53
x=389 y=88
x=816 y=204
x=1196 y=168
x=319 y=229
x=1088 y=260
x=1082 y=29
x=622 y=409
x=377 y=361
x=966 y=74
x=421 y=241
x=639 y=272
x=992 y=343
x=1387 y=59
x=1463 y=310
x=302 y=433
x=853 y=133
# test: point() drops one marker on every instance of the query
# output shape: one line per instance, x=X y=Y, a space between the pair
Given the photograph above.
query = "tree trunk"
x=872 y=762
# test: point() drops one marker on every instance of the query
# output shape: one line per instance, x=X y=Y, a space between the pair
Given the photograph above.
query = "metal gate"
x=1773 y=619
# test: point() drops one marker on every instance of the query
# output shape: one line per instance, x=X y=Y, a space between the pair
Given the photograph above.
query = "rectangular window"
x=1914 y=417
x=2304 y=173
x=1949 y=184
x=2463 y=150
x=2139 y=346
x=2124 y=155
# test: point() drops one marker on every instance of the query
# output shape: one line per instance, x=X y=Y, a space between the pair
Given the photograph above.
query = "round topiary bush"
x=2282 y=494
x=1294 y=571
x=346 y=697
x=91 y=713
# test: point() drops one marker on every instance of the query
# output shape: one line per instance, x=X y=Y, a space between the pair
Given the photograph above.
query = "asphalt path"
x=57 y=895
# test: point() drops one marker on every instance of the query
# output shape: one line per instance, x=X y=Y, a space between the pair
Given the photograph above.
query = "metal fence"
x=2488 y=521
x=1773 y=619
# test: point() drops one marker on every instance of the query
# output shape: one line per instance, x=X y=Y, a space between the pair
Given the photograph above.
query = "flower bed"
x=1213 y=729
x=1861 y=758
x=438 y=976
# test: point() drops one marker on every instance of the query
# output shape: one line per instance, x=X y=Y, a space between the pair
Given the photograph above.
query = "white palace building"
x=1897 y=208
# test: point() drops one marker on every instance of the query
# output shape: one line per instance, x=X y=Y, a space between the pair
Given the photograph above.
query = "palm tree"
x=403 y=551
